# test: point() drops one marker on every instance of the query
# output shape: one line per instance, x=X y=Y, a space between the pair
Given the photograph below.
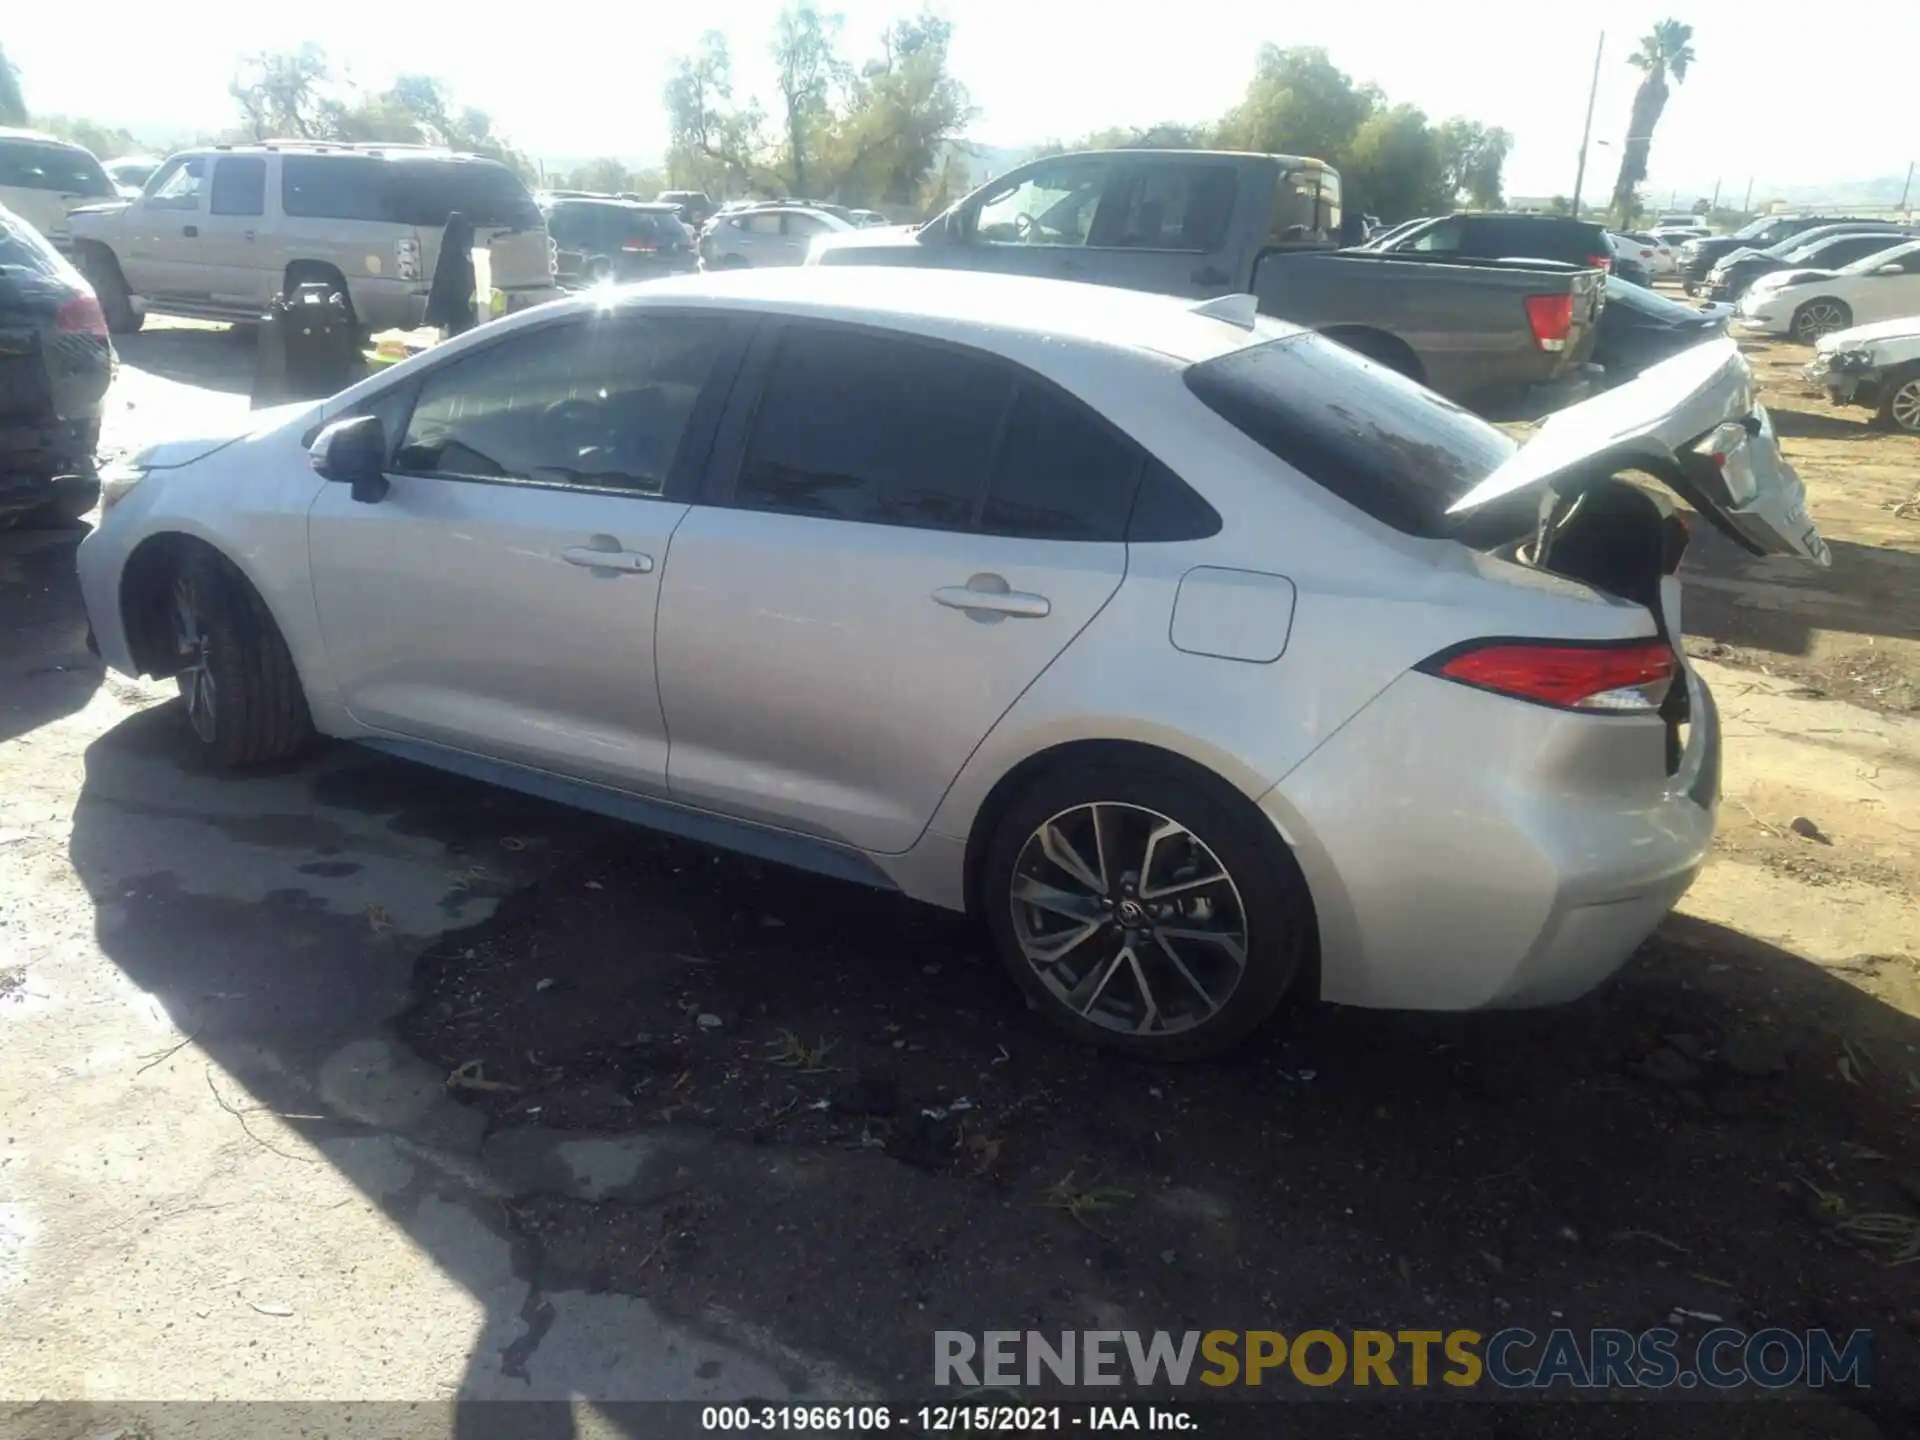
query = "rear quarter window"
x=1390 y=448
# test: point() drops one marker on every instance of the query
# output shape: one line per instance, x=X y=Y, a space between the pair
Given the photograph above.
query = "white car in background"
x=1657 y=256
x=1807 y=304
x=42 y=180
x=1877 y=366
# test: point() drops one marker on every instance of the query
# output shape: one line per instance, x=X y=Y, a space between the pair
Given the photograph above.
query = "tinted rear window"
x=33 y=165
x=406 y=192
x=1380 y=442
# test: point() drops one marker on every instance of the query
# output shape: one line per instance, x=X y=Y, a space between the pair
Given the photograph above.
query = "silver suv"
x=218 y=232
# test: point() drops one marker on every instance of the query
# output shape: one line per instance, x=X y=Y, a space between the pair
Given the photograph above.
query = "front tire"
x=110 y=289
x=244 y=703
x=1144 y=909
x=1900 y=400
x=1818 y=317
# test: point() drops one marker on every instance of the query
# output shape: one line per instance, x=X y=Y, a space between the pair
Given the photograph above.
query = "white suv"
x=218 y=232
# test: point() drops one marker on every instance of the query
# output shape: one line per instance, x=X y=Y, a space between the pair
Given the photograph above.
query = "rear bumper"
x=1495 y=863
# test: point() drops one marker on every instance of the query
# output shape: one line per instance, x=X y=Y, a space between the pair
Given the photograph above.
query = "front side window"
x=1443 y=239
x=803 y=225
x=602 y=403
x=177 y=186
x=853 y=426
x=760 y=222
x=240 y=185
x=1049 y=205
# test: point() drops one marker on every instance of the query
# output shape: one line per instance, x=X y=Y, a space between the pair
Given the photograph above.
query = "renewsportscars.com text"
x=1510 y=1359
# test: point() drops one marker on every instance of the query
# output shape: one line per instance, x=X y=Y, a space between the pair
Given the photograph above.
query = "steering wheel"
x=1025 y=227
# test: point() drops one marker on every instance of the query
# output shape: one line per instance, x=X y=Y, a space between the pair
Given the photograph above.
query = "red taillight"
x=1601 y=262
x=1631 y=679
x=1551 y=317
x=80 y=316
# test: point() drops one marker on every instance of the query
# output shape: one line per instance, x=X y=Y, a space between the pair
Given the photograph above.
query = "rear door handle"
x=981 y=595
x=630 y=562
x=190 y=230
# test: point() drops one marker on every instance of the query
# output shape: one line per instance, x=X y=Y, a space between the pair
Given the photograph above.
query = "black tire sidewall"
x=1891 y=386
x=240 y=630
x=110 y=288
x=1278 y=907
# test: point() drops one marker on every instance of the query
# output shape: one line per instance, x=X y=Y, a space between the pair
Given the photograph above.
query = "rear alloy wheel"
x=1900 y=400
x=110 y=289
x=1144 y=914
x=1820 y=317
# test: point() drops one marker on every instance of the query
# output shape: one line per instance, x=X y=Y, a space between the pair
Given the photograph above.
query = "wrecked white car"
x=1877 y=366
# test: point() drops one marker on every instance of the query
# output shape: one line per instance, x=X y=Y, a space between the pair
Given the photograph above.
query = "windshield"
x=1754 y=229
x=1382 y=443
x=1874 y=261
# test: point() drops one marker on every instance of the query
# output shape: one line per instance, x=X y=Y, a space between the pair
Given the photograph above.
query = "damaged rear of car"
x=1551 y=724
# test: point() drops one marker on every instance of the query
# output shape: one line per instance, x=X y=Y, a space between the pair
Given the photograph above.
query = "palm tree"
x=1666 y=50
x=13 y=105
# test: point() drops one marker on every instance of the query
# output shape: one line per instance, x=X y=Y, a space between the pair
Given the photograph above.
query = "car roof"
x=37 y=138
x=956 y=304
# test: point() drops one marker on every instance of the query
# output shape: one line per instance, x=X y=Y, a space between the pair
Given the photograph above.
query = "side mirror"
x=354 y=452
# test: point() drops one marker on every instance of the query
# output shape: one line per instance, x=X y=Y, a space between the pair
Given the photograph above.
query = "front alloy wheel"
x=1128 y=919
x=1903 y=405
x=193 y=658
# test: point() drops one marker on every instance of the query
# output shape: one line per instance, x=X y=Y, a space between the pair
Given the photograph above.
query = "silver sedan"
x=1205 y=660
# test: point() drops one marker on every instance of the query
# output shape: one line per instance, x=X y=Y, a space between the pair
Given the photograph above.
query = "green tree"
x=713 y=145
x=1665 y=50
x=13 y=103
x=808 y=66
x=1394 y=161
x=904 y=111
x=106 y=141
x=1298 y=103
x=283 y=94
x=1472 y=159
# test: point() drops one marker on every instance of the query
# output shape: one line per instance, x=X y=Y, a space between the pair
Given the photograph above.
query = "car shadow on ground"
x=873 y=1138
x=46 y=670
x=1804 y=424
x=214 y=357
x=1776 y=603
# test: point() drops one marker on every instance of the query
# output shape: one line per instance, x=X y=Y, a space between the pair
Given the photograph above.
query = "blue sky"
x=1760 y=102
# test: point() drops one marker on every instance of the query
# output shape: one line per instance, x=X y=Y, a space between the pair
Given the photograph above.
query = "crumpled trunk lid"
x=1694 y=423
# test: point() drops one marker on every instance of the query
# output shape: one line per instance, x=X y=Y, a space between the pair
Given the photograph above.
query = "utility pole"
x=1714 y=204
x=1906 y=188
x=1586 y=130
x=1746 y=207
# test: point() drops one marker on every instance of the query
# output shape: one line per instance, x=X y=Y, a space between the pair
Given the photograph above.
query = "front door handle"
x=990 y=595
x=629 y=562
x=190 y=231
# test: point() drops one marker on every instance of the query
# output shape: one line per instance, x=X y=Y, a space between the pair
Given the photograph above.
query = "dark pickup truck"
x=1507 y=337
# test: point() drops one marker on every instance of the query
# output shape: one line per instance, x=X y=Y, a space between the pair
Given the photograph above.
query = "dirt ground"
x=1726 y=1132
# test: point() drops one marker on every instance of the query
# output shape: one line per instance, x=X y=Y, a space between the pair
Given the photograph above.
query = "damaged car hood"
x=1693 y=422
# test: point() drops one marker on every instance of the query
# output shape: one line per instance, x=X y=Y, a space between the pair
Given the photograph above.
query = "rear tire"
x=110 y=288
x=1900 y=401
x=1176 y=923
x=1820 y=316
x=244 y=701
